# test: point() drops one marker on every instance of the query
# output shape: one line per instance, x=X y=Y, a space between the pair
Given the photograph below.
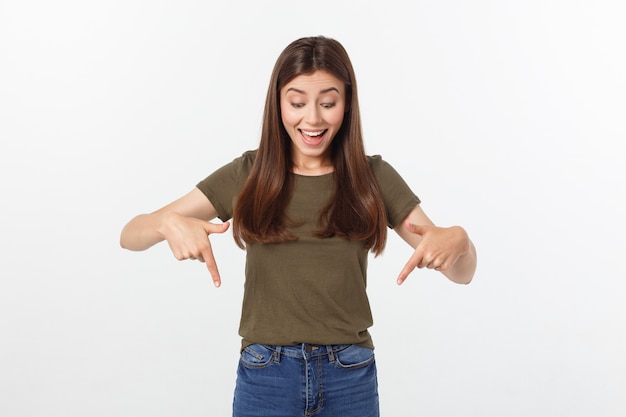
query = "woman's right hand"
x=184 y=223
x=188 y=238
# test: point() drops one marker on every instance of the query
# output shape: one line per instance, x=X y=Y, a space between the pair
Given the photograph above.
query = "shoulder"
x=243 y=163
x=374 y=159
x=398 y=197
x=379 y=166
x=247 y=158
x=386 y=175
x=249 y=155
x=233 y=173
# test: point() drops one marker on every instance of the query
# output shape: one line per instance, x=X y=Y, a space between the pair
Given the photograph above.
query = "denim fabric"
x=306 y=380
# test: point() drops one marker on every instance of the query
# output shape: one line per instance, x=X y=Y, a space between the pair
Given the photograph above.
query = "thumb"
x=216 y=228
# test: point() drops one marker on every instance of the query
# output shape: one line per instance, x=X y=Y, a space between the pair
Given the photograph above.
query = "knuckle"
x=204 y=246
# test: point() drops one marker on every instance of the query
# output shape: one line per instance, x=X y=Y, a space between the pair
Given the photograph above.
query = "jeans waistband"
x=307 y=350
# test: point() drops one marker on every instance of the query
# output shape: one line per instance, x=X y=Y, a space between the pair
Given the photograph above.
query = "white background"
x=506 y=117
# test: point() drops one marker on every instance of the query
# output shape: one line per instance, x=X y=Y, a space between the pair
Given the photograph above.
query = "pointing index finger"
x=408 y=268
x=211 y=265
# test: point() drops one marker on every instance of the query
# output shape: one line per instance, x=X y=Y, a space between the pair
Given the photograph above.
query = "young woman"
x=307 y=206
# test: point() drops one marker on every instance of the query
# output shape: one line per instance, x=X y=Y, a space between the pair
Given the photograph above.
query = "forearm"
x=146 y=230
x=142 y=232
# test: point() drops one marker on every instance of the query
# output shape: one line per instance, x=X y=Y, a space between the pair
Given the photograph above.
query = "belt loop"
x=277 y=354
x=331 y=354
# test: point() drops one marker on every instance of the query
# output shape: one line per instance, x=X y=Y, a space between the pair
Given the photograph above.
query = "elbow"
x=463 y=280
x=123 y=242
x=125 y=239
x=463 y=272
x=467 y=281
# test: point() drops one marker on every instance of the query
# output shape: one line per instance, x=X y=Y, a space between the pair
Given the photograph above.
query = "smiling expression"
x=312 y=111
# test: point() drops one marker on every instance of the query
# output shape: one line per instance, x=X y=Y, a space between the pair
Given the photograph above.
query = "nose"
x=313 y=115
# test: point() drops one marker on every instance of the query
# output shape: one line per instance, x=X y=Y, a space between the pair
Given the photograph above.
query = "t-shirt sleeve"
x=222 y=187
x=398 y=197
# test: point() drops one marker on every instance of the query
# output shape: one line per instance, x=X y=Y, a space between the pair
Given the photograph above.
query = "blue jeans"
x=306 y=380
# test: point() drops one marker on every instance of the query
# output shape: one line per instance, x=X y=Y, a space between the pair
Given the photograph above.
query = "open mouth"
x=313 y=137
x=312 y=133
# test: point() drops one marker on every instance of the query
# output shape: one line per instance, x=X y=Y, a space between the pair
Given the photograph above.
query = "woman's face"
x=312 y=110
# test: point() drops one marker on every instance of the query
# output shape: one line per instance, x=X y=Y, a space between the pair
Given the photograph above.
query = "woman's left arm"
x=448 y=249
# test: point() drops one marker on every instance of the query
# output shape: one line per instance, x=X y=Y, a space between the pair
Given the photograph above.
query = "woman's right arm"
x=184 y=224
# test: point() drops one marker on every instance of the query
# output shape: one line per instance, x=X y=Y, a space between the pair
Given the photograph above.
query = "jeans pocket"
x=256 y=356
x=354 y=357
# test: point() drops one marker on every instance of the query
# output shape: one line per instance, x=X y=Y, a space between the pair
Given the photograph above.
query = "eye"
x=328 y=105
x=297 y=105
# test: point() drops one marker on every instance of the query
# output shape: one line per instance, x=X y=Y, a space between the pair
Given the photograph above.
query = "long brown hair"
x=356 y=210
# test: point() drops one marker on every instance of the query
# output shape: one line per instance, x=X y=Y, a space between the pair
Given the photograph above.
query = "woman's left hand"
x=439 y=248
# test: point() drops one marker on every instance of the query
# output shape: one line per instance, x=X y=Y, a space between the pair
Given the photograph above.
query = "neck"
x=312 y=166
x=313 y=170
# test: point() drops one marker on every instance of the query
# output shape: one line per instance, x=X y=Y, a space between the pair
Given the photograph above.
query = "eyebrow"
x=326 y=90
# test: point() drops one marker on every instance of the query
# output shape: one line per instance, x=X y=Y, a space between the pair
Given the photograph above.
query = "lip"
x=314 y=140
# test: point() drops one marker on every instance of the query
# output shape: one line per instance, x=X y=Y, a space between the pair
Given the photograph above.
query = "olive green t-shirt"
x=310 y=290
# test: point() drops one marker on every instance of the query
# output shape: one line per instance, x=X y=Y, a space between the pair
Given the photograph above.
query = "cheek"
x=336 y=117
x=288 y=117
